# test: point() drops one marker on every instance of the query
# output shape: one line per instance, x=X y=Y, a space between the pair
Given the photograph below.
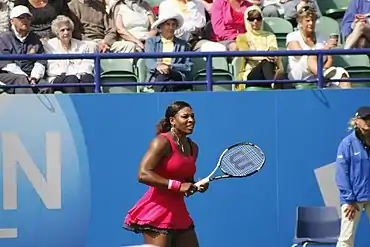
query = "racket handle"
x=202 y=182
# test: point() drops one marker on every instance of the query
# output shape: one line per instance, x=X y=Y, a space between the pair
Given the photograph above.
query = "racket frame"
x=225 y=175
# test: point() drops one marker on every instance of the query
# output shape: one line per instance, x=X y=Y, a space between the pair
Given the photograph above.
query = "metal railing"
x=97 y=57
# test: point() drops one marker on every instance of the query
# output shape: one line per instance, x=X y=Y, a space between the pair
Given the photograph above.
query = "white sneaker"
x=330 y=72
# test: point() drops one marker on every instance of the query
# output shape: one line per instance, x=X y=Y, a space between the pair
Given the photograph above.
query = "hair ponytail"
x=163 y=126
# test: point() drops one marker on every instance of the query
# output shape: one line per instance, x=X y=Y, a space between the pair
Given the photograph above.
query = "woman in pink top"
x=227 y=19
x=168 y=167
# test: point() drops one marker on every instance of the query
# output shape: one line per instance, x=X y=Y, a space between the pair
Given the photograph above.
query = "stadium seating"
x=221 y=72
x=333 y=8
x=316 y=225
x=118 y=70
x=327 y=26
x=358 y=66
x=280 y=27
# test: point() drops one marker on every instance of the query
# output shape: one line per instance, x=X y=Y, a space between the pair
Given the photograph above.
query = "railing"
x=209 y=55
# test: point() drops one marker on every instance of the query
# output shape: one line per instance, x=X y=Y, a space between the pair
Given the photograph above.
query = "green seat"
x=326 y=26
x=280 y=27
x=118 y=70
x=154 y=2
x=220 y=71
x=257 y=89
x=333 y=8
x=305 y=85
x=142 y=74
x=358 y=66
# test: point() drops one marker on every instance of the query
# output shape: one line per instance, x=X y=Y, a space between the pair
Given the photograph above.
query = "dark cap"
x=363 y=112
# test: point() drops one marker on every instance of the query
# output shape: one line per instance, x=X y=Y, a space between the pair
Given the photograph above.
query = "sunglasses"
x=252 y=19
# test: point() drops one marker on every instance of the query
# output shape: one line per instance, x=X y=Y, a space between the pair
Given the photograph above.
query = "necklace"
x=178 y=141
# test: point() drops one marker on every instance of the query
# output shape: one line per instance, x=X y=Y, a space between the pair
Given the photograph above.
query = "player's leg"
x=186 y=238
x=157 y=239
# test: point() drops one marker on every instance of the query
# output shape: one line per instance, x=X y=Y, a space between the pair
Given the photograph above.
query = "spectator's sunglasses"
x=306 y=9
x=252 y=19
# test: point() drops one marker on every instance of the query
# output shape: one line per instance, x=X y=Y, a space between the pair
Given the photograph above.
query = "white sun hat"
x=168 y=15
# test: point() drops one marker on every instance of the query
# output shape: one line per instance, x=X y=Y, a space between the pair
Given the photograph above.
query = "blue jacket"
x=354 y=7
x=180 y=64
x=353 y=170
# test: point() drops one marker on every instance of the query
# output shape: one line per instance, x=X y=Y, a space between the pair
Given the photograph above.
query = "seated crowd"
x=123 y=26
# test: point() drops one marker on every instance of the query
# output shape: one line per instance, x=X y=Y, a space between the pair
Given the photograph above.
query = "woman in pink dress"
x=168 y=167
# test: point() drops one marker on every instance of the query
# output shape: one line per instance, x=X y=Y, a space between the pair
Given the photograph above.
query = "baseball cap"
x=363 y=112
x=18 y=11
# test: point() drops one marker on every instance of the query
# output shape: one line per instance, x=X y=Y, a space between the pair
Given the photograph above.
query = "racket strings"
x=242 y=160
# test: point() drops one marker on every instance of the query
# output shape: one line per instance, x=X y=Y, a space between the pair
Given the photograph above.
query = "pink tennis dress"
x=160 y=209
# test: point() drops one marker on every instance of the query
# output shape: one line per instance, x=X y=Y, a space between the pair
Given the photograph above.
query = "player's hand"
x=351 y=211
x=203 y=188
x=188 y=188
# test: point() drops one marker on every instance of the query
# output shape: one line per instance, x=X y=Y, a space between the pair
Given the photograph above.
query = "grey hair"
x=59 y=21
x=352 y=123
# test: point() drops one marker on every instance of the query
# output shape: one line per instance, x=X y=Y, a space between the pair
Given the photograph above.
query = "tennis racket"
x=240 y=160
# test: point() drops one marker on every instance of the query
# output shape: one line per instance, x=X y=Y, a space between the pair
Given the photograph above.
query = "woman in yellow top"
x=256 y=39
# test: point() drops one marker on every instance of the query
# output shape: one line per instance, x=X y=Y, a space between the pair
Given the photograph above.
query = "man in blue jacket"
x=353 y=175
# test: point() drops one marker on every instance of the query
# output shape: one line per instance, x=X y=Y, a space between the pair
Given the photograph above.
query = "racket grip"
x=202 y=182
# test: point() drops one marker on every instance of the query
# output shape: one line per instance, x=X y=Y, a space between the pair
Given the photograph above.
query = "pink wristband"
x=174 y=185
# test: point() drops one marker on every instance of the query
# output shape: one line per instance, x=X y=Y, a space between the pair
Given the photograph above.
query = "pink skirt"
x=161 y=210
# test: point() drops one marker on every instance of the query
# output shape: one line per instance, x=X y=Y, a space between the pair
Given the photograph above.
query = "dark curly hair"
x=164 y=124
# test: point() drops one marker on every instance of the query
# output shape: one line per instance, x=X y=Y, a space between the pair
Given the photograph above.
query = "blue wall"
x=102 y=139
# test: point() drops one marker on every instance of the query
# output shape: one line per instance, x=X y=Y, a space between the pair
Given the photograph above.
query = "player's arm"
x=158 y=149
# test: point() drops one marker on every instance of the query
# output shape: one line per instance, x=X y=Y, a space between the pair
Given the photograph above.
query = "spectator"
x=272 y=8
x=43 y=13
x=255 y=39
x=65 y=71
x=353 y=175
x=193 y=31
x=306 y=38
x=133 y=20
x=5 y=8
x=21 y=40
x=227 y=18
x=207 y=5
x=168 y=69
x=356 y=25
x=285 y=8
x=94 y=26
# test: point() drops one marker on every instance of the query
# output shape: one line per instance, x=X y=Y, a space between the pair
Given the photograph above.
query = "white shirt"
x=68 y=66
x=135 y=22
x=193 y=19
x=298 y=68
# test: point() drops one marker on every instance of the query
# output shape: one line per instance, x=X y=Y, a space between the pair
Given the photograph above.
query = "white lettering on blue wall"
x=8 y=233
x=15 y=154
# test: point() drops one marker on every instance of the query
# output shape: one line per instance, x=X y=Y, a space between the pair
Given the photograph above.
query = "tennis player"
x=353 y=175
x=168 y=167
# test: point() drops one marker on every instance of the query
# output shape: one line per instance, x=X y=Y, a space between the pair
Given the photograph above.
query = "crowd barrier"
x=97 y=57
